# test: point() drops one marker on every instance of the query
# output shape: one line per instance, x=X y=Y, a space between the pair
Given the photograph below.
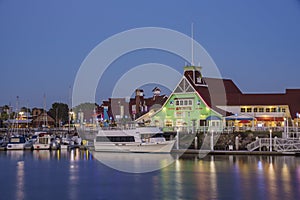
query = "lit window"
x=169 y=123
x=273 y=109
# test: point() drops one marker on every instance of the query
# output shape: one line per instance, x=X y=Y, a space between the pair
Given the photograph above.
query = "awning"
x=244 y=121
x=278 y=119
x=239 y=117
x=213 y=118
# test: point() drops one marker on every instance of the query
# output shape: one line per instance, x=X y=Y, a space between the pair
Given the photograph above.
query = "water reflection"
x=269 y=177
x=134 y=162
x=188 y=177
x=20 y=180
x=72 y=155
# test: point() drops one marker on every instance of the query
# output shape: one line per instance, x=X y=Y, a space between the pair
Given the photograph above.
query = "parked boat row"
x=39 y=141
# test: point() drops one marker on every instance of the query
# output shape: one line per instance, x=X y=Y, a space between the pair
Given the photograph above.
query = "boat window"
x=115 y=139
x=17 y=140
x=43 y=140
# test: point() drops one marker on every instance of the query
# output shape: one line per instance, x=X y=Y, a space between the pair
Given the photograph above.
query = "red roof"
x=222 y=92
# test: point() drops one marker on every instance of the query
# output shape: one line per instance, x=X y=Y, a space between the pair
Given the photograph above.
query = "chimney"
x=156 y=91
x=139 y=97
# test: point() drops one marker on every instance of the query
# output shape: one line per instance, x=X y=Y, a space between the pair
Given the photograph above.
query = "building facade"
x=199 y=102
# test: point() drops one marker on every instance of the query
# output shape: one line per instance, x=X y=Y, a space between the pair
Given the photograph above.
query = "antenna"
x=192 y=30
x=45 y=113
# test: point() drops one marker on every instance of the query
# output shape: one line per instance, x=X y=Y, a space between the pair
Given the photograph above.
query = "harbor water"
x=77 y=174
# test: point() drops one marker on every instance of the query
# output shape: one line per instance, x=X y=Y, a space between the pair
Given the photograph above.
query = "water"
x=76 y=175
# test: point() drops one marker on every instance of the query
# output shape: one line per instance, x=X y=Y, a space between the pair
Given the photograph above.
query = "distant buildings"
x=132 y=108
x=199 y=102
x=36 y=119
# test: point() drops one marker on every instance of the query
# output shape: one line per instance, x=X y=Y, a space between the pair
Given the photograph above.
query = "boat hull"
x=135 y=147
x=41 y=146
x=15 y=146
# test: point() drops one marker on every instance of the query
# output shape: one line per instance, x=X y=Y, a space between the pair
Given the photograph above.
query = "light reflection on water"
x=76 y=175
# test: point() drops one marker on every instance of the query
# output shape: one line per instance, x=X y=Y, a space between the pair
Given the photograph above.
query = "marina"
x=77 y=174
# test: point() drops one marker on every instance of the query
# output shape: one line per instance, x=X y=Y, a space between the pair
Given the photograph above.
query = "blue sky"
x=43 y=43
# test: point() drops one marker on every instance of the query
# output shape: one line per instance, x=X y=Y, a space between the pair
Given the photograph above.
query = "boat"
x=16 y=143
x=45 y=142
x=131 y=139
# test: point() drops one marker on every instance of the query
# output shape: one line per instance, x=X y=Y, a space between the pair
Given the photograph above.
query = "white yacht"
x=132 y=139
x=16 y=143
x=45 y=142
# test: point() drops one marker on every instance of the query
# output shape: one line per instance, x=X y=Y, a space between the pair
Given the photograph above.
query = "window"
x=243 y=109
x=169 y=123
x=273 y=110
x=283 y=110
x=184 y=102
x=249 y=109
x=254 y=109
x=267 y=109
x=261 y=110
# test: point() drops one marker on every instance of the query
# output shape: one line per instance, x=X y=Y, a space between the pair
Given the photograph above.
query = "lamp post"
x=297 y=115
x=284 y=127
x=270 y=140
x=177 y=141
x=212 y=141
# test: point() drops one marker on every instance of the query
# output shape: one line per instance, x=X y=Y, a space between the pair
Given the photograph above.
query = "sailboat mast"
x=17 y=111
x=45 y=114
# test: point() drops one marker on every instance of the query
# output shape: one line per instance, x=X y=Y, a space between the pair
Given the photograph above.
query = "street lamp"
x=177 y=142
x=270 y=140
x=297 y=115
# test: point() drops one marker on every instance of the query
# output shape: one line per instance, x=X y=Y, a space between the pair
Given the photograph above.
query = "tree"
x=59 y=112
x=87 y=109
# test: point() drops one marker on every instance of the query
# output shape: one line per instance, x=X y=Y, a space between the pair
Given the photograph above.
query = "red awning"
x=277 y=119
x=244 y=121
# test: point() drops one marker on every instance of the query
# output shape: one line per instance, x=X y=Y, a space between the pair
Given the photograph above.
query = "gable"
x=184 y=87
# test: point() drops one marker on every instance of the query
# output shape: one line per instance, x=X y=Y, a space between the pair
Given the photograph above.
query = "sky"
x=43 y=43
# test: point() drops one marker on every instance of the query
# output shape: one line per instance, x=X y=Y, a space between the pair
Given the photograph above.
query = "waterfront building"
x=207 y=104
x=188 y=107
x=199 y=102
x=116 y=109
x=43 y=120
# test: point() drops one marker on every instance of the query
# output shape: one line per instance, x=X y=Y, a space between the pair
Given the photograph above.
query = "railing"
x=278 y=144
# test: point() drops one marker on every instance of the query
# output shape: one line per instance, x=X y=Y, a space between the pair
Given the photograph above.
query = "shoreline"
x=241 y=152
x=196 y=151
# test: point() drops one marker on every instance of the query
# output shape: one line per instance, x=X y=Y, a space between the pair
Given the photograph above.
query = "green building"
x=188 y=108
